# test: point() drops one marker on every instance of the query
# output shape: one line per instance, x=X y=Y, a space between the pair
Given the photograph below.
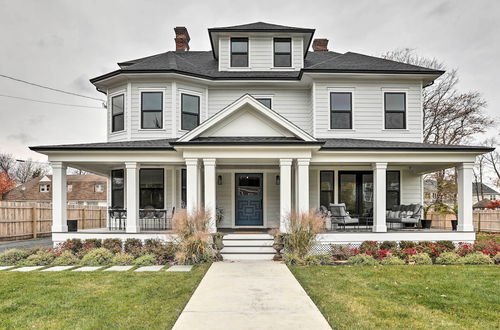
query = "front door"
x=248 y=201
x=356 y=191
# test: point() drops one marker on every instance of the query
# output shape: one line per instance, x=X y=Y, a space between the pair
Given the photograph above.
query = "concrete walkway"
x=26 y=243
x=250 y=295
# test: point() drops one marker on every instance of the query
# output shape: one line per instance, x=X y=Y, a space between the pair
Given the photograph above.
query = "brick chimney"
x=320 y=45
x=181 y=38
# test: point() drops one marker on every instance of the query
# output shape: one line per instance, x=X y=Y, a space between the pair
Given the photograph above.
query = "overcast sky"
x=65 y=43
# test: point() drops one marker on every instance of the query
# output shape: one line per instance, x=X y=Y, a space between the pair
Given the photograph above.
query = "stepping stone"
x=6 y=267
x=180 y=268
x=26 y=269
x=118 y=268
x=149 y=269
x=87 y=269
x=57 y=268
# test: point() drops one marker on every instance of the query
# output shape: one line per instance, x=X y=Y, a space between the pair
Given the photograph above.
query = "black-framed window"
x=341 y=110
x=395 y=110
x=117 y=113
x=282 y=52
x=183 y=187
x=239 y=52
x=117 y=189
x=266 y=101
x=151 y=110
x=326 y=188
x=190 y=111
x=151 y=188
x=393 y=189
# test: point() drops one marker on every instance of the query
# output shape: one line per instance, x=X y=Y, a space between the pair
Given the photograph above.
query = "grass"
x=405 y=297
x=488 y=236
x=97 y=300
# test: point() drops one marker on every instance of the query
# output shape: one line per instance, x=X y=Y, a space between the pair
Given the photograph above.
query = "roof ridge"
x=389 y=60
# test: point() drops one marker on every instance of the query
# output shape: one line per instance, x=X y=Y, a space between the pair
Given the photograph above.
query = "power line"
x=50 y=88
x=49 y=102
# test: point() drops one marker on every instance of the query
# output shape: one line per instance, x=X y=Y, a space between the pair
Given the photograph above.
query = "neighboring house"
x=81 y=190
x=430 y=193
x=259 y=126
x=482 y=191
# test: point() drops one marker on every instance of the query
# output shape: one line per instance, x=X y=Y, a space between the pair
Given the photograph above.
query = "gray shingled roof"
x=486 y=189
x=261 y=26
x=327 y=144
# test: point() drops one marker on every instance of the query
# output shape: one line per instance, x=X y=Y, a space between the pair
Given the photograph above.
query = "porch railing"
x=149 y=219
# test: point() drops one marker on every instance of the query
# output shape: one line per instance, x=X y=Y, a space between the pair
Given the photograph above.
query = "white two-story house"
x=260 y=126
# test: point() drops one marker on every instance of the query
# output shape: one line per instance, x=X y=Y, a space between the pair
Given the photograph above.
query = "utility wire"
x=49 y=102
x=50 y=88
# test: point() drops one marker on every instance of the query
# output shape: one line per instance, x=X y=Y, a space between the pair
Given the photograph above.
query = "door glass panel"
x=366 y=195
x=348 y=193
x=248 y=185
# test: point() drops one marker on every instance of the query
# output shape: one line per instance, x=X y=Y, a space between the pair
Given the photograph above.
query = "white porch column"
x=285 y=192
x=132 y=181
x=379 y=191
x=303 y=184
x=210 y=192
x=464 y=197
x=59 y=198
x=191 y=184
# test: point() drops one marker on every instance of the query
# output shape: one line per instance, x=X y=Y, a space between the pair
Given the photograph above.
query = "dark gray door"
x=248 y=201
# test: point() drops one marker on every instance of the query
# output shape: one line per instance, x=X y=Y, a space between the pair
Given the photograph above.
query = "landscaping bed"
x=97 y=300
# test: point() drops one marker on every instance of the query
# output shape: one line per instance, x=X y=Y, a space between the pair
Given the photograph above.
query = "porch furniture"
x=153 y=219
x=408 y=215
x=117 y=219
x=341 y=217
x=426 y=224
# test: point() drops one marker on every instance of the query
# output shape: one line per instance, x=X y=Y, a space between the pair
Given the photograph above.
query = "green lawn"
x=98 y=300
x=415 y=297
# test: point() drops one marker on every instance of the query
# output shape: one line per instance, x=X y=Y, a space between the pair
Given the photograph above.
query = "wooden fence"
x=21 y=220
x=484 y=220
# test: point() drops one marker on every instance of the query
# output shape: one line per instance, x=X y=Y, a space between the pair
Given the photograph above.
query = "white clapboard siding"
x=368 y=109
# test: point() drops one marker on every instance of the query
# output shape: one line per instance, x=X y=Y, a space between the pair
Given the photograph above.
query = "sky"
x=63 y=44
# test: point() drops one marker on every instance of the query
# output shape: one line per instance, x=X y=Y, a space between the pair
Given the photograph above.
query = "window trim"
x=151 y=91
x=332 y=190
x=190 y=113
x=113 y=96
x=162 y=182
x=331 y=111
x=239 y=53
x=282 y=53
x=405 y=93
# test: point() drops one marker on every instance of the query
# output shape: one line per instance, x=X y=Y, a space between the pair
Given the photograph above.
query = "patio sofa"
x=405 y=214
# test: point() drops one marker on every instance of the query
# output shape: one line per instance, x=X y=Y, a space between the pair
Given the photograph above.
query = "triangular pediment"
x=247 y=117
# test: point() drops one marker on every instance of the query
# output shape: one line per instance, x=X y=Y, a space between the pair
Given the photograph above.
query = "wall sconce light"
x=277 y=180
x=219 y=180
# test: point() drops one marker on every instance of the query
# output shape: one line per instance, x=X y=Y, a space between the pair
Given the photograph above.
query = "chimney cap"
x=320 y=45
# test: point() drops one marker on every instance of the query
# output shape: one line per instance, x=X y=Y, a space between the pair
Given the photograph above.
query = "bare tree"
x=7 y=164
x=449 y=116
x=27 y=170
x=492 y=159
x=478 y=172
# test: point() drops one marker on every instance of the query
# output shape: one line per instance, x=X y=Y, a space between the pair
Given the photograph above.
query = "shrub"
x=151 y=243
x=488 y=247
x=407 y=253
x=41 y=258
x=67 y=258
x=477 y=258
x=323 y=259
x=133 y=246
x=420 y=259
x=382 y=254
x=122 y=259
x=302 y=231
x=362 y=259
x=12 y=257
x=341 y=252
x=369 y=247
x=97 y=257
x=194 y=238
x=465 y=249
x=145 y=260
x=449 y=258
x=292 y=259
x=308 y=260
x=92 y=243
x=406 y=245
x=446 y=245
x=164 y=253
x=112 y=244
x=496 y=259
x=74 y=245
x=392 y=260
x=424 y=243
x=388 y=245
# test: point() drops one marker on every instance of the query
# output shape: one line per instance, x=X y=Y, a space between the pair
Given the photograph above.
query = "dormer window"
x=151 y=110
x=239 y=52
x=282 y=52
x=117 y=113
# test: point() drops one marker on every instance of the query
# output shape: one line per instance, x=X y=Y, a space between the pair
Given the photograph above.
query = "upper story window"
x=70 y=188
x=99 y=187
x=151 y=110
x=340 y=110
x=395 y=110
x=266 y=101
x=239 y=52
x=282 y=52
x=190 y=111
x=44 y=187
x=117 y=113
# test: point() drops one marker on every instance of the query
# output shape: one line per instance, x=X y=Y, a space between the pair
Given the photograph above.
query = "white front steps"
x=248 y=247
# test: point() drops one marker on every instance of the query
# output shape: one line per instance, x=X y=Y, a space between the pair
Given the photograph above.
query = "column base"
x=465 y=228
x=133 y=230
x=380 y=229
x=59 y=229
